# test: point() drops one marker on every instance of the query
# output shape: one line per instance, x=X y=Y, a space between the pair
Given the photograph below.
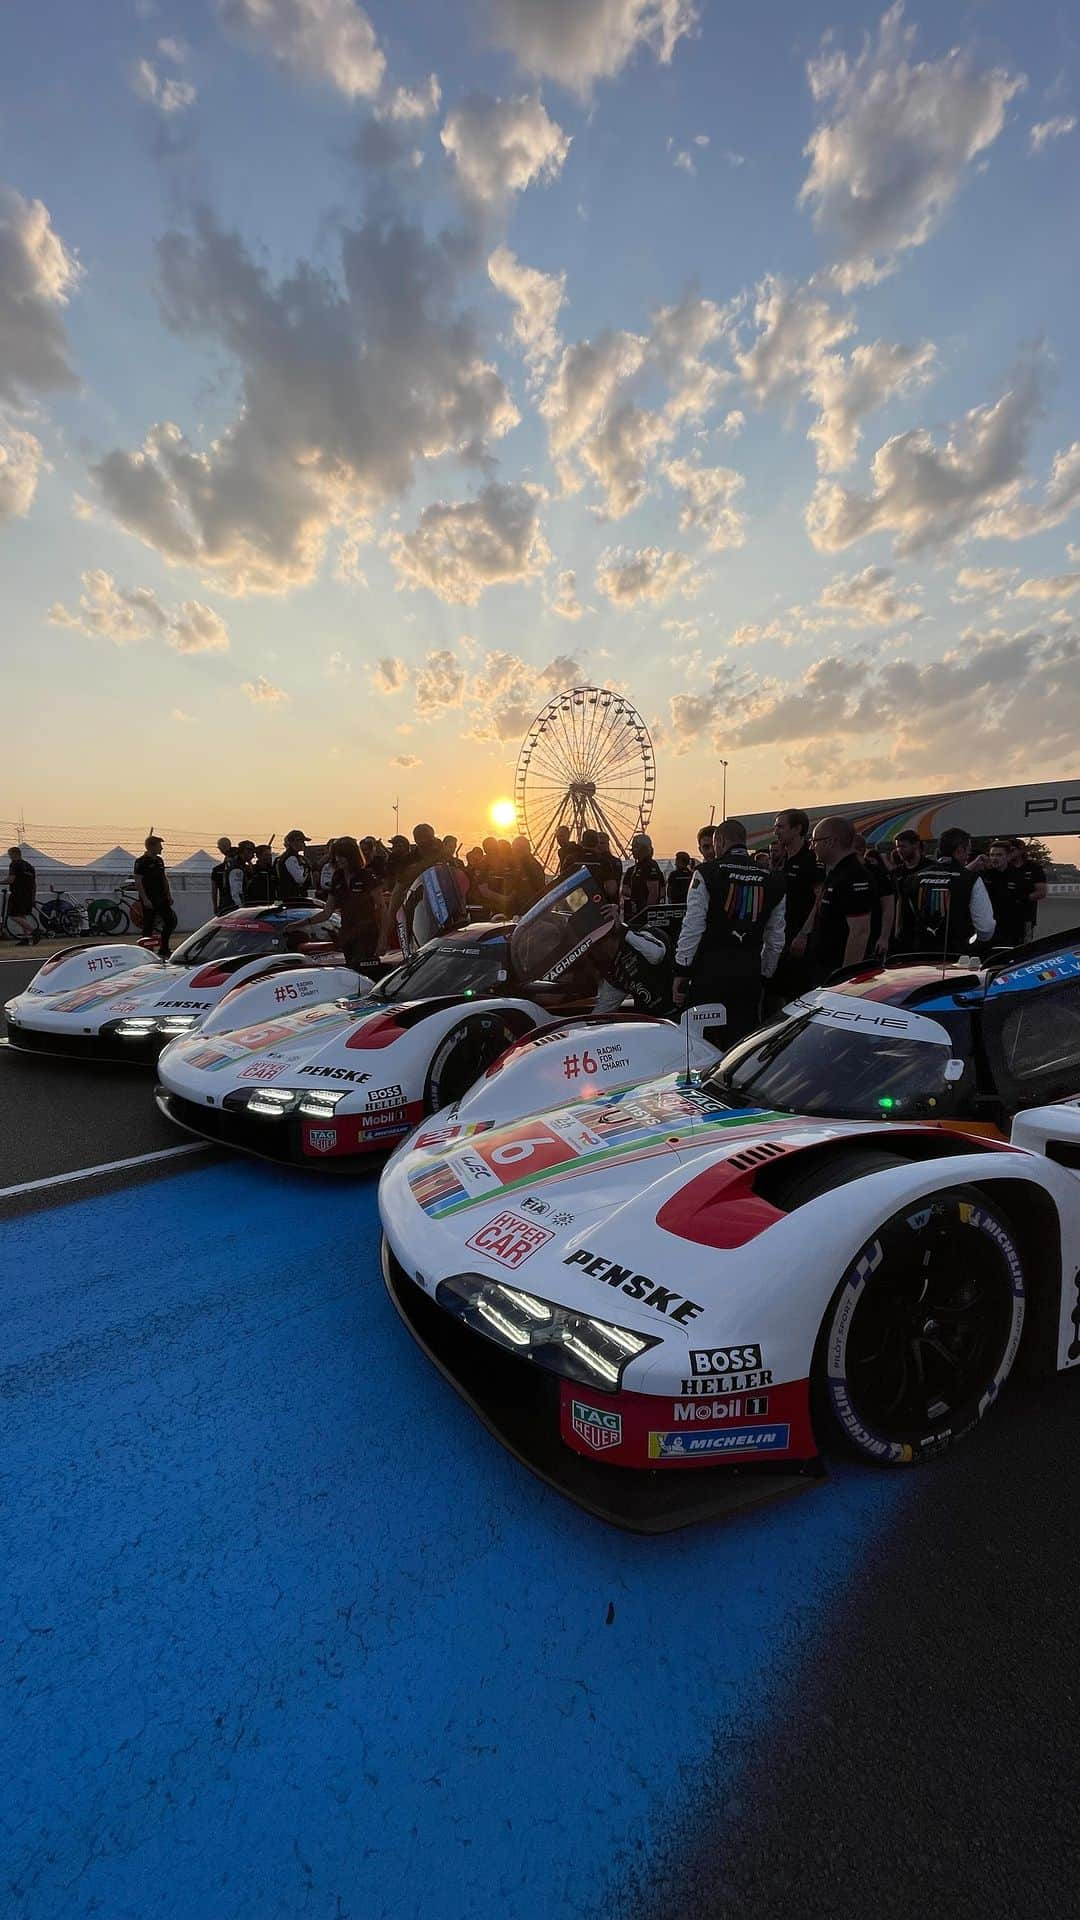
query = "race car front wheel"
x=922 y=1332
x=462 y=1055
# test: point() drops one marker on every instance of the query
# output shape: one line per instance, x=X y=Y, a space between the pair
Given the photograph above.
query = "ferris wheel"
x=586 y=761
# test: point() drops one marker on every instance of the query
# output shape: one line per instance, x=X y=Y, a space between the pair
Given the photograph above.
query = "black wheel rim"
x=469 y=1057
x=931 y=1326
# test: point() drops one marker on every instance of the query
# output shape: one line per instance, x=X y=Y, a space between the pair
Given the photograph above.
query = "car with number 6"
x=668 y=1297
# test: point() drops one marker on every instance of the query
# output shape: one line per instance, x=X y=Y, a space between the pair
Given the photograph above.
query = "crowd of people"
x=757 y=927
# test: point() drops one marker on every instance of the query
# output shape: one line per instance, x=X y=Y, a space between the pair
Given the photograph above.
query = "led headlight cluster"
x=275 y=1103
x=593 y=1352
x=170 y=1024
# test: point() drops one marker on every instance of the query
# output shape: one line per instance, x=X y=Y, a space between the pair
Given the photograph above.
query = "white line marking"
x=109 y=1166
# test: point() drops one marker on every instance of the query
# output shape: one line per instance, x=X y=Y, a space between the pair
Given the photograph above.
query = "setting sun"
x=502 y=813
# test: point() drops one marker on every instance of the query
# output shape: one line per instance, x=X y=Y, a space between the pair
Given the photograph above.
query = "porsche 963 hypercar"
x=121 y=1003
x=854 y=1225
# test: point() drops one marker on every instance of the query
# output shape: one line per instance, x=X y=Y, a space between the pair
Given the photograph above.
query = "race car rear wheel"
x=922 y=1332
x=463 y=1054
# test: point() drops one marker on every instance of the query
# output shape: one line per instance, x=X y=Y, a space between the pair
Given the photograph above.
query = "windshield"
x=447 y=966
x=806 y=1067
x=564 y=924
x=218 y=941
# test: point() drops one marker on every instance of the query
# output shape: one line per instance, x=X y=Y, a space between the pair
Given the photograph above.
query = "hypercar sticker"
x=509 y=1240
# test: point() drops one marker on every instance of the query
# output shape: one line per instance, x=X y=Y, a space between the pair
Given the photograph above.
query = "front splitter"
x=518 y=1404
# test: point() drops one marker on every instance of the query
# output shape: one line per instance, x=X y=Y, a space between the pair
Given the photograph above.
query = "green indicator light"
x=886 y=1102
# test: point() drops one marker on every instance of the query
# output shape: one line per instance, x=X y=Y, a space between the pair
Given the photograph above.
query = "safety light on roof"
x=887 y=1103
x=581 y=1348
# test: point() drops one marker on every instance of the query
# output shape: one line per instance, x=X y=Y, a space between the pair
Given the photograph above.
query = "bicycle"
x=48 y=920
x=112 y=913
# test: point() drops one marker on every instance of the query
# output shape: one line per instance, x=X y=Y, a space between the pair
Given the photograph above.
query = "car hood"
x=312 y=1036
x=142 y=990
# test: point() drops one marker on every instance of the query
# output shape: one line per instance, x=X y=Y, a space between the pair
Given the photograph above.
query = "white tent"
x=117 y=860
x=43 y=861
x=201 y=862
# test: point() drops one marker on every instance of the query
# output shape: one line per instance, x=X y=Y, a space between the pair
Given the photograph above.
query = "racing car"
x=329 y=1075
x=120 y=1002
x=853 y=1225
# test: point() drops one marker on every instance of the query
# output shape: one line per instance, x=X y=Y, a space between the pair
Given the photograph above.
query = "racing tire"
x=923 y=1330
x=462 y=1055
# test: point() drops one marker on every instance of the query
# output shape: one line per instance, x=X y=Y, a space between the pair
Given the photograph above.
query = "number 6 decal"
x=515 y=1150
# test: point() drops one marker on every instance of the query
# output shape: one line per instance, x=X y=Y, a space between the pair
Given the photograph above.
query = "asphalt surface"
x=290 y=1636
x=55 y=1116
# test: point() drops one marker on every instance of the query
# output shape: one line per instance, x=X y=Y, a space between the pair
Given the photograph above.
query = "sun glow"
x=502 y=813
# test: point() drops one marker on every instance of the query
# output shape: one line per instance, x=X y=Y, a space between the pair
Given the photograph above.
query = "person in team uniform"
x=1008 y=895
x=839 y=927
x=260 y=880
x=908 y=860
x=678 y=880
x=799 y=867
x=22 y=892
x=291 y=868
x=155 y=893
x=643 y=882
x=732 y=933
x=951 y=907
x=883 y=910
x=1033 y=874
x=218 y=875
x=355 y=893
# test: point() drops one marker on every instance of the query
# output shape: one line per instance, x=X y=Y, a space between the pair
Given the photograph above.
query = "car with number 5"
x=668 y=1297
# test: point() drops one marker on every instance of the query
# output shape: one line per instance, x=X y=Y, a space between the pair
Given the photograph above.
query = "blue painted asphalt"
x=290 y=1635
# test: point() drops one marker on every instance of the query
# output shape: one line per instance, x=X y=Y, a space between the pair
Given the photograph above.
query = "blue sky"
x=802 y=418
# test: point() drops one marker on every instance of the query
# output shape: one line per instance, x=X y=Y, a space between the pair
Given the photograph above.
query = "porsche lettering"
x=637 y=1286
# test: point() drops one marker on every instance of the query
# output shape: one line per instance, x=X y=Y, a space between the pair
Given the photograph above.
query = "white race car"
x=325 y=1075
x=855 y=1224
x=122 y=1003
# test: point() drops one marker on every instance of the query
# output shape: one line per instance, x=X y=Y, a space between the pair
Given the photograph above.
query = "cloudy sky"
x=370 y=372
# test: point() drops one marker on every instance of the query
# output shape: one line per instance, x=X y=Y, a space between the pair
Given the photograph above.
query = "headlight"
x=172 y=1024
x=273 y=1103
x=177 y=1023
x=135 y=1029
x=593 y=1352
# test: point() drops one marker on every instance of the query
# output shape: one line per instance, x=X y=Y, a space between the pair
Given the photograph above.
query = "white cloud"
x=707 y=494
x=871 y=598
x=413 y=103
x=439 y=683
x=500 y=147
x=1044 y=131
x=981 y=582
x=170 y=48
x=1057 y=586
x=926 y=495
x=460 y=550
x=794 y=351
x=578 y=42
x=344 y=389
x=389 y=675
x=21 y=461
x=323 y=40
x=128 y=614
x=631 y=578
x=894 y=143
x=684 y=159
x=38 y=275
x=566 y=603
x=168 y=96
x=734 y=422
x=536 y=299
x=196 y=628
x=406 y=760
x=262 y=692
x=337 y=666
x=182 y=719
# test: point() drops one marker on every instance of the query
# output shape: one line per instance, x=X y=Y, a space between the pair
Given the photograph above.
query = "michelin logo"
x=691 y=1446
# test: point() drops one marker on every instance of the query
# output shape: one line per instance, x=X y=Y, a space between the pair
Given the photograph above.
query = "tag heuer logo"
x=598 y=1428
x=322 y=1139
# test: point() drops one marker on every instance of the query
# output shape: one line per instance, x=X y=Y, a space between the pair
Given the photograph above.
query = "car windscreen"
x=447 y=966
x=218 y=941
x=809 y=1066
x=553 y=935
